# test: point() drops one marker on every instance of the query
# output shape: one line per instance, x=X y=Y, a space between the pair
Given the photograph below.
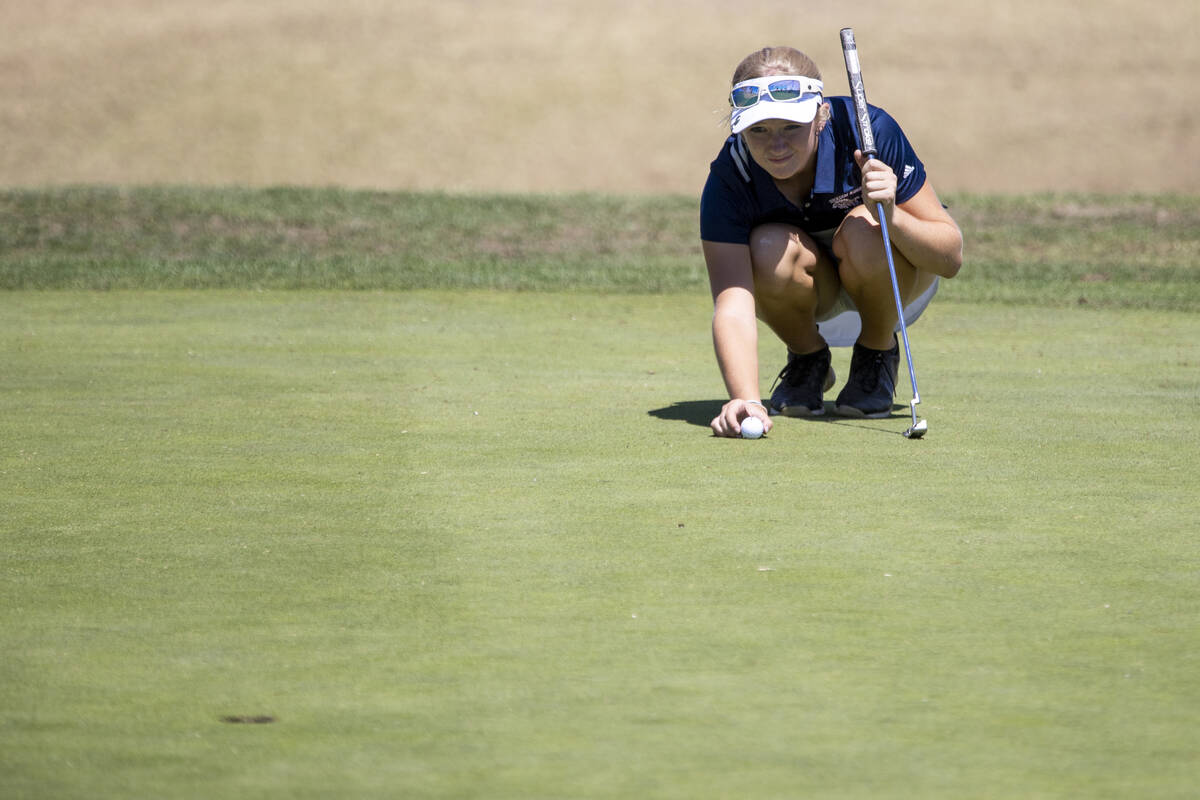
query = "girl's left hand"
x=878 y=182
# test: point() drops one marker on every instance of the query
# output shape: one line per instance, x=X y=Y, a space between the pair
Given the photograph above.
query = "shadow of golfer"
x=693 y=412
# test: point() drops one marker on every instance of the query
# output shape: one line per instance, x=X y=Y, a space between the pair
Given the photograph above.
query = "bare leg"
x=794 y=281
x=863 y=269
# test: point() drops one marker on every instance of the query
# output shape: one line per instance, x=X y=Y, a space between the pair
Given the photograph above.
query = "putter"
x=854 y=74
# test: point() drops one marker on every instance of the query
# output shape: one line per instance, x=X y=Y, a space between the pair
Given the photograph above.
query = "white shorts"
x=841 y=325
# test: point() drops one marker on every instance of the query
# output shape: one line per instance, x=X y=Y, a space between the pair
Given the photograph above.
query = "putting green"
x=482 y=544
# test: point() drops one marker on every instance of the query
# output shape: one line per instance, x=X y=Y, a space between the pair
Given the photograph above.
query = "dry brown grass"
x=613 y=95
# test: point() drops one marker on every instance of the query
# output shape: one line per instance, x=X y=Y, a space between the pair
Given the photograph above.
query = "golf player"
x=789 y=236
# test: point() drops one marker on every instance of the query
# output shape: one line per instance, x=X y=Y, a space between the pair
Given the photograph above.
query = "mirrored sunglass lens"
x=745 y=96
x=783 y=91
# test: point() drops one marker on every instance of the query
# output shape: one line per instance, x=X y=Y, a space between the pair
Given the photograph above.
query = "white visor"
x=802 y=109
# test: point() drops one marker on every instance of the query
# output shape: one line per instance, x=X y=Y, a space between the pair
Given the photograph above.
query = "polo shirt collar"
x=825 y=181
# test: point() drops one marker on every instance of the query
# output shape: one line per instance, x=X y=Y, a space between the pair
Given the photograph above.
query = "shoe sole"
x=858 y=413
x=801 y=411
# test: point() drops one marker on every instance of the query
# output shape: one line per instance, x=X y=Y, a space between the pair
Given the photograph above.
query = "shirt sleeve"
x=723 y=216
x=898 y=153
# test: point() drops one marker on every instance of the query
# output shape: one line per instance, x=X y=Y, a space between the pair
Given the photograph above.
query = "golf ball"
x=752 y=428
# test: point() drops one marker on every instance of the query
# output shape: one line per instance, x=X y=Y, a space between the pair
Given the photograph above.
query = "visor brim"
x=802 y=111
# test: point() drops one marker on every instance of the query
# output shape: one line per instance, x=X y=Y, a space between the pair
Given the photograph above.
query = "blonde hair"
x=779 y=61
x=775 y=61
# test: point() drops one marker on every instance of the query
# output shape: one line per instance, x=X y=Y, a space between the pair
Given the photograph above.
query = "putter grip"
x=857 y=92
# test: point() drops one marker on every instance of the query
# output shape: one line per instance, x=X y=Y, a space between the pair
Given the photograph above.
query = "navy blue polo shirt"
x=739 y=194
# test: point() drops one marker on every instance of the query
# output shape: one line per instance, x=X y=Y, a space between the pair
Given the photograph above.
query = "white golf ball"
x=752 y=428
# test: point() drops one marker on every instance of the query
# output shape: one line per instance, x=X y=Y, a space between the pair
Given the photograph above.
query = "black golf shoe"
x=798 y=389
x=872 y=383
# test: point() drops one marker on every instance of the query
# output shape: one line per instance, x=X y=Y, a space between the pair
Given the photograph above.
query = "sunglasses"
x=779 y=90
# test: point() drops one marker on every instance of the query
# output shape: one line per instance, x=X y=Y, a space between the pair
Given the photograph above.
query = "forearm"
x=919 y=228
x=929 y=245
x=735 y=340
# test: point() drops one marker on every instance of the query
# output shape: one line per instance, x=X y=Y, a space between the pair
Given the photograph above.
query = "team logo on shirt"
x=847 y=200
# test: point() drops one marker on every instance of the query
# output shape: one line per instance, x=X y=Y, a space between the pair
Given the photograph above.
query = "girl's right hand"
x=729 y=422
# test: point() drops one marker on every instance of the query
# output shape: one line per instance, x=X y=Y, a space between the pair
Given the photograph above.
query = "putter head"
x=919 y=427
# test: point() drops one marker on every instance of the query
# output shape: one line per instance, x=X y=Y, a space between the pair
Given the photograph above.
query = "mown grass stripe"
x=1048 y=250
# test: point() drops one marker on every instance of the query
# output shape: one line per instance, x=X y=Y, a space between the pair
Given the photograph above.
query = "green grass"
x=460 y=542
x=481 y=545
x=1057 y=250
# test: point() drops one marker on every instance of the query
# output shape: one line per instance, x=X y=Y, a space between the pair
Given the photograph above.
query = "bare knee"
x=863 y=264
x=783 y=258
x=858 y=246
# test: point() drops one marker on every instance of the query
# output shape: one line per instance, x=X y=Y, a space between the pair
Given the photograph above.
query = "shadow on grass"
x=701 y=413
x=693 y=412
